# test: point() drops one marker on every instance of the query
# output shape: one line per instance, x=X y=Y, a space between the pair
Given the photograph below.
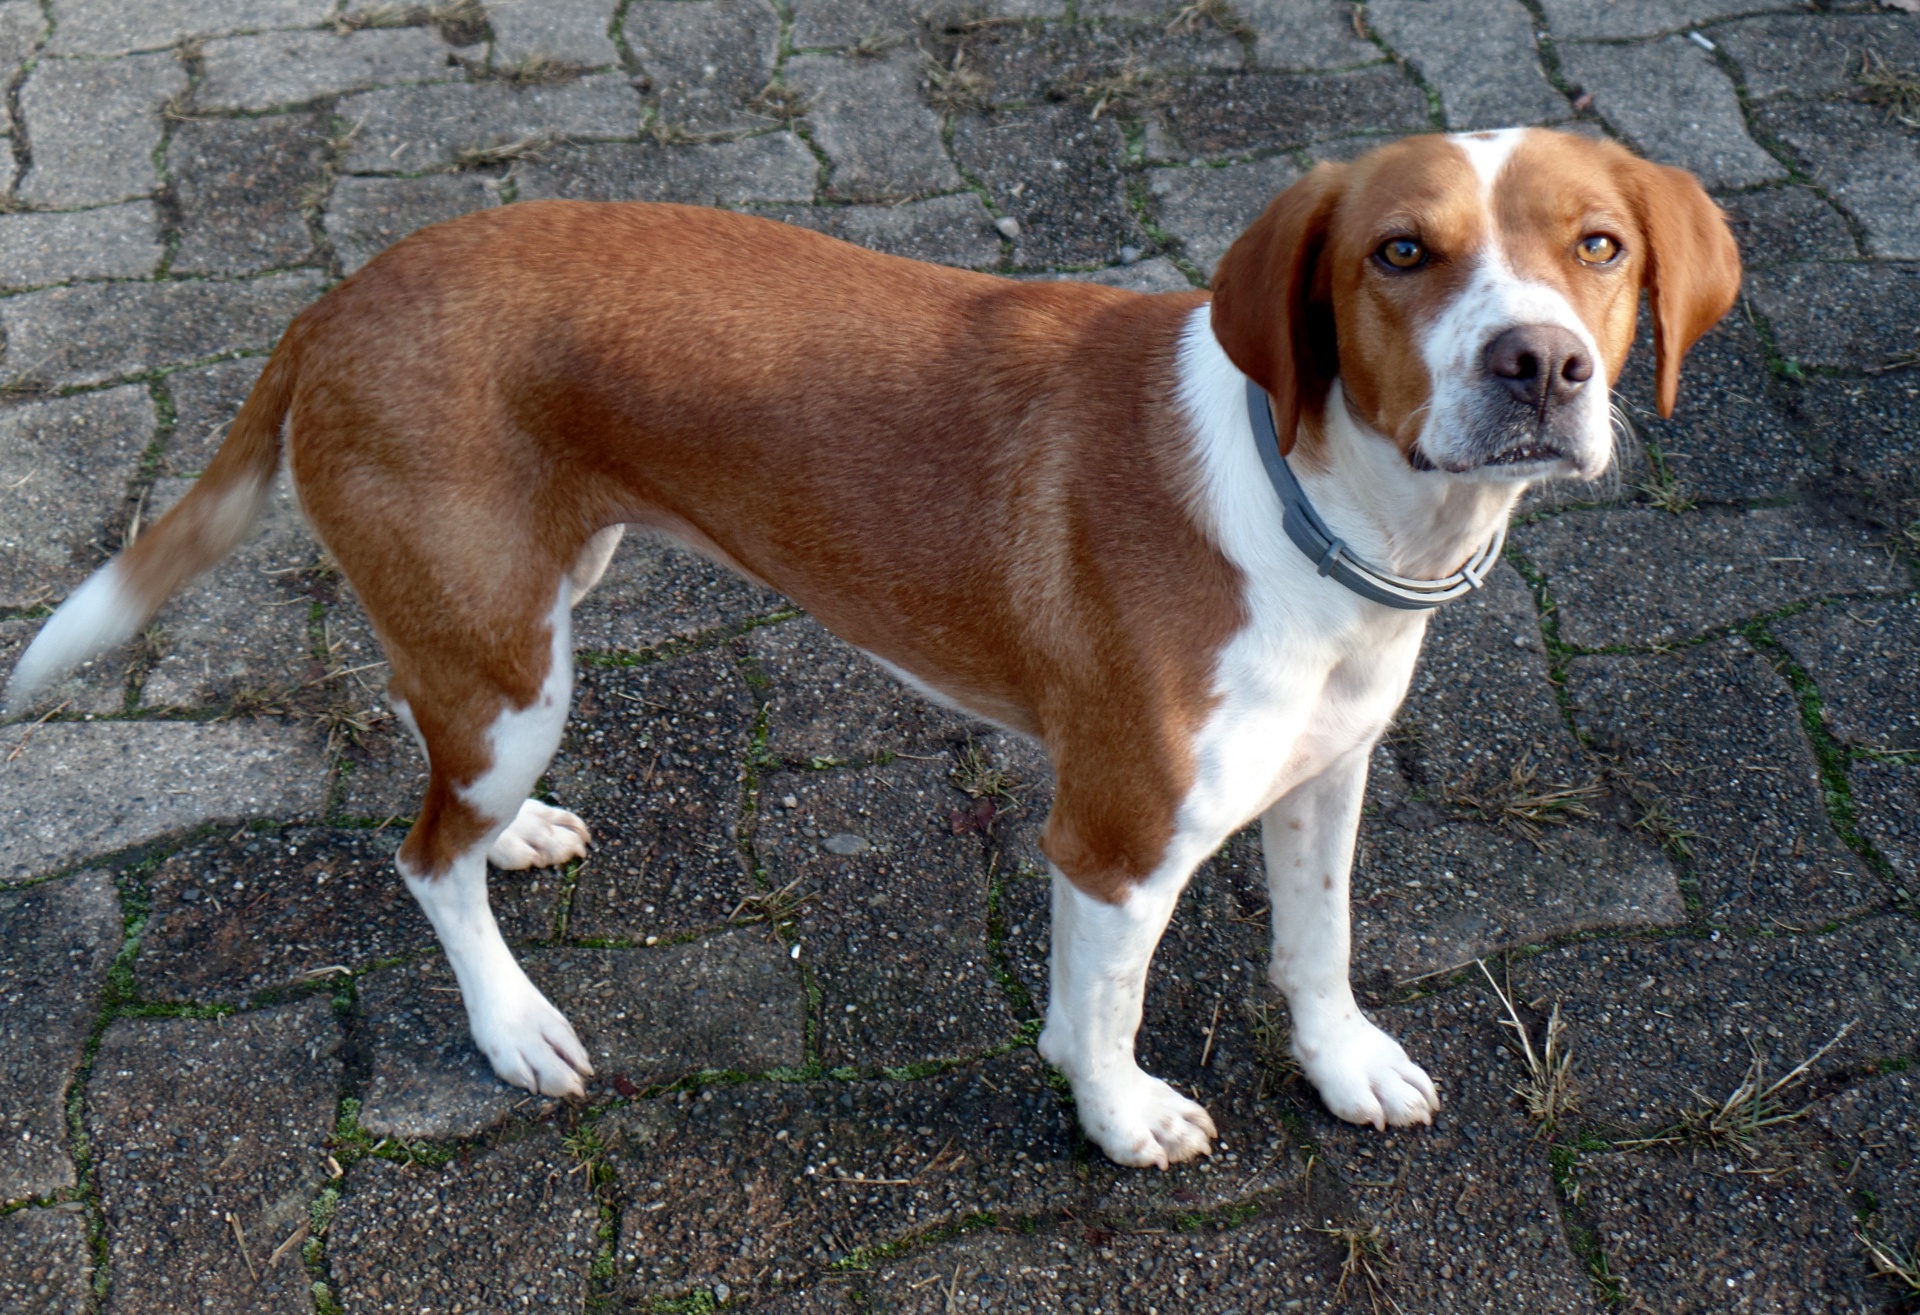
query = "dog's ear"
x=1273 y=303
x=1692 y=267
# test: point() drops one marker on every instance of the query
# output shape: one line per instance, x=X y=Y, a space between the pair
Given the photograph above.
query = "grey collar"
x=1332 y=556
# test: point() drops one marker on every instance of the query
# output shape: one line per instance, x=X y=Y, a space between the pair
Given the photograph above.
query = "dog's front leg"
x=1361 y=1073
x=1099 y=980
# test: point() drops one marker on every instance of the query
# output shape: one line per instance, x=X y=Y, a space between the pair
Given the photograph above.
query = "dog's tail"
x=204 y=526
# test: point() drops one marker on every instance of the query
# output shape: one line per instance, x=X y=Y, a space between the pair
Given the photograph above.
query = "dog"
x=1189 y=544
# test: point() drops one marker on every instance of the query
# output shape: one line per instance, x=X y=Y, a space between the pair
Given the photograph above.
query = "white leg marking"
x=585 y=573
x=1099 y=979
x=1361 y=1073
x=541 y=836
x=528 y=1041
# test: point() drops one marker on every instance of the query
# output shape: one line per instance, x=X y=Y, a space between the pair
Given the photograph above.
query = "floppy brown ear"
x=1692 y=268
x=1272 y=305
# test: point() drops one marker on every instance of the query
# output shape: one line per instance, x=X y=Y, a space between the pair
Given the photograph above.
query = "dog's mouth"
x=1527 y=454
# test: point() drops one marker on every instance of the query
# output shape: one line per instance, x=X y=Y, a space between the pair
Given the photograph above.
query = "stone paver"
x=44 y=1265
x=72 y=790
x=117 y=241
x=209 y=1131
x=1670 y=99
x=808 y=947
x=56 y=941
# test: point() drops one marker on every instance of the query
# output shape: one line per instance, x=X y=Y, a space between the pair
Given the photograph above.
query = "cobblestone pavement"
x=1664 y=775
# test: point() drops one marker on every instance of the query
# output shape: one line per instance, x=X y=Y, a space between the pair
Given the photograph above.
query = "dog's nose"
x=1542 y=365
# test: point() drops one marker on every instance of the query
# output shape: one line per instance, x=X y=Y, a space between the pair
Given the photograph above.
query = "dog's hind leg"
x=487 y=741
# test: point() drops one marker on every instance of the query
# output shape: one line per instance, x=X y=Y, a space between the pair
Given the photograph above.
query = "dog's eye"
x=1596 y=249
x=1403 y=253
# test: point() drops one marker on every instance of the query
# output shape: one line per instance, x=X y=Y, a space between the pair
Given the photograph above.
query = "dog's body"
x=1040 y=502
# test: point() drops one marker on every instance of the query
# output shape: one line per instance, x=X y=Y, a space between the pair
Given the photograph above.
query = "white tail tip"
x=96 y=616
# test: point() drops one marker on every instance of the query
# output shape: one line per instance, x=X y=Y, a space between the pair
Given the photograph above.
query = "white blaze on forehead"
x=1488 y=152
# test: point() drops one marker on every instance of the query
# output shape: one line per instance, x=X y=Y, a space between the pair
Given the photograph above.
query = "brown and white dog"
x=1041 y=502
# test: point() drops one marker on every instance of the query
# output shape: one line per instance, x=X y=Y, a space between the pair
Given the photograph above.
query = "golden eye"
x=1403 y=253
x=1596 y=249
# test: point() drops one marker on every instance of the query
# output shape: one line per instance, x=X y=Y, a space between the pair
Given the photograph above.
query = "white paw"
x=529 y=1043
x=1140 y=1121
x=1364 y=1076
x=541 y=836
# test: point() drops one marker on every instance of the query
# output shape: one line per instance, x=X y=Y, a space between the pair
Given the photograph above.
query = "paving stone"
x=1318 y=34
x=1814 y=55
x=201 y=1122
x=143 y=780
x=292 y=68
x=772 y=167
x=235 y=915
x=242 y=186
x=1731 y=437
x=895 y=926
x=477 y=1234
x=653 y=761
x=655 y=590
x=758 y=1185
x=56 y=941
x=1274 y=1263
x=948 y=230
x=65 y=463
x=731 y=1002
x=94 y=127
x=410 y=129
x=1480 y=55
x=1875 y=1129
x=97 y=687
x=1864 y=160
x=1855 y=653
x=94 y=332
x=205 y=401
x=1660 y=1026
x=1886 y=799
x=106 y=27
x=1858 y=315
x=575 y=32
x=1209 y=208
x=22 y=24
x=118 y=241
x=1156 y=275
x=1786 y=223
x=1237 y=113
x=1714 y=736
x=45 y=1265
x=868 y=117
x=1070 y=200
x=1699 y=1230
x=827 y=702
x=1639 y=575
x=1433 y=889
x=1640 y=18
x=241 y=630
x=1875 y=428
x=705 y=60
x=368 y=215
x=1676 y=104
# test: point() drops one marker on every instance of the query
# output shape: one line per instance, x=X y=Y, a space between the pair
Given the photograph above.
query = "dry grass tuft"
x=773 y=907
x=1895 y=89
x=975 y=774
x=526 y=148
x=1132 y=87
x=1549 y=1094
x=535 y=71
x=1754 y=1105
x=1524 y=805
x=1212 y=13
x=1363 y=1264
x=875 y=44
x=1664 y=491
x=954 y=88
x=462 y=22
x=777 y=100
x=1889 y=1264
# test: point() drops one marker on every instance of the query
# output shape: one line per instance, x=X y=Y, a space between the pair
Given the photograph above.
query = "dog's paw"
x=1141 y=1121
x=1363 y=1076
x=541 y=836
x=530 y=1043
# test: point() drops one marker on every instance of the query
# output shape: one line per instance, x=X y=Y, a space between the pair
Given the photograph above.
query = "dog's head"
x=1475 y=295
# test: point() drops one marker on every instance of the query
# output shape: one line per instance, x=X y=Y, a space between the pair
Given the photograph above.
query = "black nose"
x=1542 y=365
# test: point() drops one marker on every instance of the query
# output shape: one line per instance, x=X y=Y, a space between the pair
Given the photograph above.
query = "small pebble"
x=1128 y=255
x=1009 y=226
x=845 y=843
x=789 y=801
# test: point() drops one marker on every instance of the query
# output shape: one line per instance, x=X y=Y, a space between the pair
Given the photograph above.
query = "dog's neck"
x=1415 y=523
